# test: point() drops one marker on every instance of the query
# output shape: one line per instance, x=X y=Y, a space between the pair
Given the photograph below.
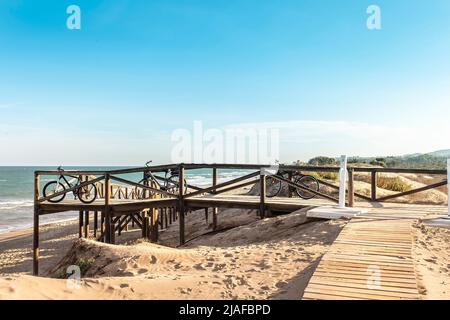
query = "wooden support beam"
x=36 y=225
x=373 y=185
x=144 y=226
x=154 y=225
x=113 y=232
x=108 y=217
x=262 y=195
x=86 y=224
x=80 y=224
x=351 y=188
x=166 y=218
x=102 y=224
x=215 y=211
x=134 y=218
x=95 y=223
x=181 y=208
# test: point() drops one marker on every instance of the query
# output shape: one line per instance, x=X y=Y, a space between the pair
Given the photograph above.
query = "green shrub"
x=323 y=175
x=84 y=265
x=393 y=184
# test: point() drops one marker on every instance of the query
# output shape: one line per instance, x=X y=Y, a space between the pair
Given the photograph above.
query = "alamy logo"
x=74 y=279
x=233 y=144
x=73 y=21
x=374 y=19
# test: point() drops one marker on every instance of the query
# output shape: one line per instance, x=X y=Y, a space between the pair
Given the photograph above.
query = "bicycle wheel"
x=54 y=187
x=142 y=193
x=273 y=187
x=87 y=194
x=172 y=185
x=308 y=181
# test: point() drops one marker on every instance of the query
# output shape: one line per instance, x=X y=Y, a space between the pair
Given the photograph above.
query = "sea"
x=16 y=192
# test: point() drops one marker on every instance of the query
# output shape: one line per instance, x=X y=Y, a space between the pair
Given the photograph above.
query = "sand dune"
x=260 y=259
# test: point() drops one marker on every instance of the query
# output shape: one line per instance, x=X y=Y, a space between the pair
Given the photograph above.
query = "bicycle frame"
x=149 y=175
x=70 y=185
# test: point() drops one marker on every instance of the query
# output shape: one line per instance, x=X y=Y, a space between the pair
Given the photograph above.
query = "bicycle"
x=86 y=194
x=273 y=186
x=170 y=182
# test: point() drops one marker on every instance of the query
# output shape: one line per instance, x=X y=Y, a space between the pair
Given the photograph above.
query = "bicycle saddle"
x=60 y=168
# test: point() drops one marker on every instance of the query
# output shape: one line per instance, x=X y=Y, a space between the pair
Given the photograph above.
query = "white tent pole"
x=342 y=181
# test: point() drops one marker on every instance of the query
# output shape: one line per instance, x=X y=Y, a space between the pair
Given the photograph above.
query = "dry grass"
x=393 y=184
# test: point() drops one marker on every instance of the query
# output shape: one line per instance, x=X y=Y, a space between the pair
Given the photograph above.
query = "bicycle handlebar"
x=148 y=162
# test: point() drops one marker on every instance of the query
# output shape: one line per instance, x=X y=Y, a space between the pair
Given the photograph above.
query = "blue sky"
x=114 y=91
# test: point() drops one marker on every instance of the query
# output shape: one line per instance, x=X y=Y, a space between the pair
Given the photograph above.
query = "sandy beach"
x=256 y=259
x=246 y=258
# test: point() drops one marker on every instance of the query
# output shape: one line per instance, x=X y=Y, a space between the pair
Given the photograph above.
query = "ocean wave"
x=14 y=204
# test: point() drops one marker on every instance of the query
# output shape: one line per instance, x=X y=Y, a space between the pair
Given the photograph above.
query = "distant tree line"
x=421 y=161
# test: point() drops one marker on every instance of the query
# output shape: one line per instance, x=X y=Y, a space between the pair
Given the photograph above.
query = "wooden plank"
x=366 y=250
x=383 y=286
x=409 y=282
x=364 y=291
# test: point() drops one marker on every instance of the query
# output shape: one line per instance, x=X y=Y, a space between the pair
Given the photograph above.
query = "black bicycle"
x=169 y=182
x=273 y=185
x=86 y=194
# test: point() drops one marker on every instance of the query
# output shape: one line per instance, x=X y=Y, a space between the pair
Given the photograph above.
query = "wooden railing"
x=149 y=219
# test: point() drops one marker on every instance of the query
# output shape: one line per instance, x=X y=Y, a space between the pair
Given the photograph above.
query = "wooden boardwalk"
x=371 y=258
x=124 y=206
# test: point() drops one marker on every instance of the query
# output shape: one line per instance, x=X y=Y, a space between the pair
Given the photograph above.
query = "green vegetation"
x=393 y=184
x=420 y=161
x=323 y=161
x=323 y=175
x=84 y=265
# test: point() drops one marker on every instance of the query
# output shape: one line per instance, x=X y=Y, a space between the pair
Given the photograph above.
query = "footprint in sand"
x=281 y=284
x=199 y=267
x=142 y=270
x=153 y=259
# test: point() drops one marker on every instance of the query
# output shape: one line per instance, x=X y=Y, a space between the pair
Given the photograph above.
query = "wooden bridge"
x=122 y=201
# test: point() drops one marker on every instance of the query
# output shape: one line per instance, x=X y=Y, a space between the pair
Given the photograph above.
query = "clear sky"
x=113 y=92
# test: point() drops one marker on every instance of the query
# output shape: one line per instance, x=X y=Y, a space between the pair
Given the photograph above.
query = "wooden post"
x=215 y=211
x=181 y=208
x=107 y=210
x=351 y=188
x=80 y=224
x=95 y=223
x=144 y=224
x=374 y=184
x=206 y=215
x=36 y=226
x=86 y=224
x=113 y=232
x=262 y=195
x=165 y=217
x=102 y=224
x=154 y=225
